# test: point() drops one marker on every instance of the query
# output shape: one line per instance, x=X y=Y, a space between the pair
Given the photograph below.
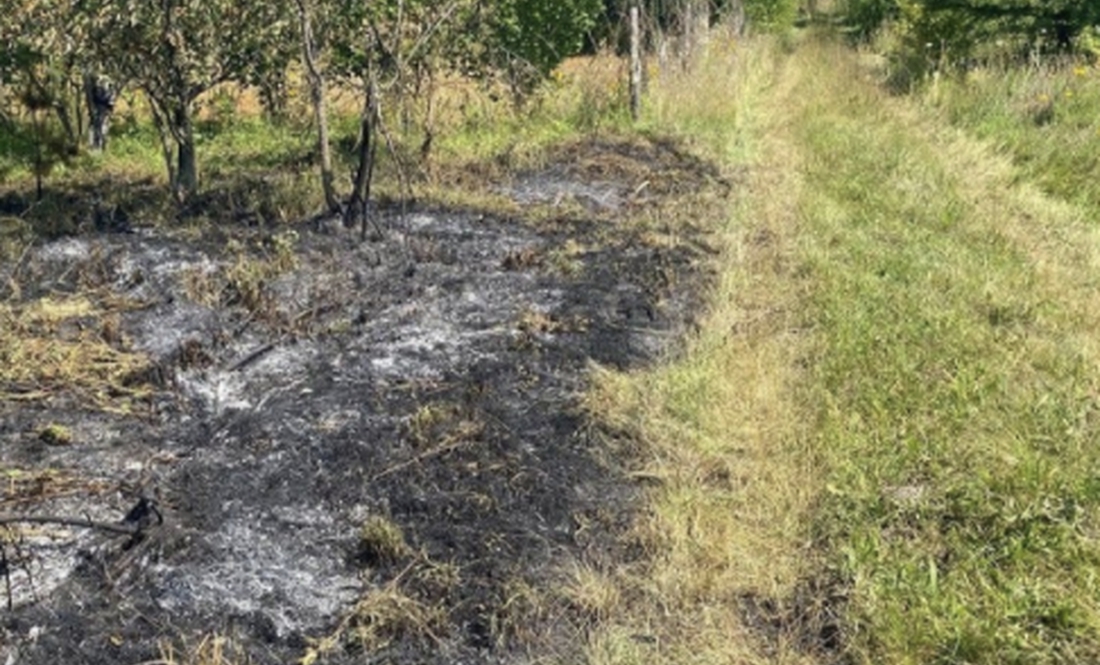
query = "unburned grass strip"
x=717 y=434
x=911 y=477
x=957 y=402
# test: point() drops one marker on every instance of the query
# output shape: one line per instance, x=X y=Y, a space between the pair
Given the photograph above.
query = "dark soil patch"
x=611 y=175
x=380 y=443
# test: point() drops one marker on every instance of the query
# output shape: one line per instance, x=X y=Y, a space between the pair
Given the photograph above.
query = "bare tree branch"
x=112 y=527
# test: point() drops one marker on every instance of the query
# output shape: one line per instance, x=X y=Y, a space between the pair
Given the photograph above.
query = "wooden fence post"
x=635 y=62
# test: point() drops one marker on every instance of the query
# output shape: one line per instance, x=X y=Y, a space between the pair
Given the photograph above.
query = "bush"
x=771 y=15
x=957 y=34
x=542 y=33
x=865 y=17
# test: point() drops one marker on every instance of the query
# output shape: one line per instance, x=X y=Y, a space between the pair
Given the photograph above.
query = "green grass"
x=252 y=144
x=585 y=96
x=717 y=433
x=1047 y=116
x=899 y=373
x=957 y=401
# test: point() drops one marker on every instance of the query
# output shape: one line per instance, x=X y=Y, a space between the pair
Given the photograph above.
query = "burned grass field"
x=335 y=451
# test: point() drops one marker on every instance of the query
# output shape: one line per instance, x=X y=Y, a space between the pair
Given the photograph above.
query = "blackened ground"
x=428 y=382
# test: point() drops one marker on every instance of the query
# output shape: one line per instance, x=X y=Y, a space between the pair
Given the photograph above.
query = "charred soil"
x=330 y=449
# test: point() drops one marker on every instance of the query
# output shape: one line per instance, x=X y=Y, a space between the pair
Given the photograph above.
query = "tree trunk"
x=39 y=158
x=425 y=88
x=67 y=108
x=99 y=94
x=358 y=207
x=177 y=141
x=273 y=97
x=65 y=117
x=165 y=136
x=737 y=19
x=320 y=112
x=695 y=29
x=187 y=168
x=175 y=101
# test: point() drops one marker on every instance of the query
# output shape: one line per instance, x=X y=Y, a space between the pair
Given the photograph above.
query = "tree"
x=378 y=48
x=392 y=50
x=43 y=60
x=315 y=77
x=175 y=50
x=43 y=57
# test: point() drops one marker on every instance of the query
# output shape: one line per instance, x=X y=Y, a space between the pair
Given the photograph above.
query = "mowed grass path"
x=886 y=441
x=955 y=387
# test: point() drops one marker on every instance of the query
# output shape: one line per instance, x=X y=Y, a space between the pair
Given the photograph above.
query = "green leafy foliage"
x=866 y=17
x=43 y=54
x=939 y=34
x=397 y=38
x=771 y=15
x=542 y=33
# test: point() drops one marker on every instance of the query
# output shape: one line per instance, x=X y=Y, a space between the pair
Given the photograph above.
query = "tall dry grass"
x=720 y=430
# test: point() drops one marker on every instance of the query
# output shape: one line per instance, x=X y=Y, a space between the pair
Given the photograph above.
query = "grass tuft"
x=211 y=650
x=382 y=541
x=383 y=615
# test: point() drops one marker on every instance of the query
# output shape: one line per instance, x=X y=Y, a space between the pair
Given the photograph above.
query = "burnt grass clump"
x=355 y=451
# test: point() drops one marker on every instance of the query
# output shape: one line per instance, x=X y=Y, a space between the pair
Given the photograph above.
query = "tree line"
x=67 y=58
x=62 y=62
x=941 y=34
